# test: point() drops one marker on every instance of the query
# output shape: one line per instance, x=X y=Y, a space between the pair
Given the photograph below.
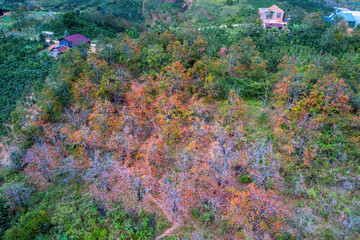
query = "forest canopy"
x=175 y=127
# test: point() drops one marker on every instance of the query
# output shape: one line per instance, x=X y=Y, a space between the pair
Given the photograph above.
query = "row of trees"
x=19 y=58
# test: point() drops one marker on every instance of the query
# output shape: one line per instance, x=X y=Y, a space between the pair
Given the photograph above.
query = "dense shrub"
x=30 y=225
x=71 y=24
x=4 y=217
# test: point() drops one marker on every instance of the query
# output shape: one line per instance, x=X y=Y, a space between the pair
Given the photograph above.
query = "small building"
x=48 y=34
x=55 y=52
x=74 y=40
x=272 y=17
x=351 y=18
x=68 y=42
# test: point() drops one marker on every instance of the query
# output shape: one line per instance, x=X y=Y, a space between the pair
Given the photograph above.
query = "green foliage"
x=154 y=58
x=73 y=24
x=195 y=214
x=245 y=179
x=30 y=225
x=4 y=217
x=15 y=158
x=285 y=236
x=263 y=118
x=312 y=193
x=328 y=234
x=21 y=69
x=141 y=226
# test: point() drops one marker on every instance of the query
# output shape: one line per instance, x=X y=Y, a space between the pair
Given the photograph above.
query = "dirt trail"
x=4 y=155
x=174 y=224
x=169 y=231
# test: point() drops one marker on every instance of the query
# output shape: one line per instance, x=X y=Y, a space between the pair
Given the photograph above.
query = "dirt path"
x=4 y=155
x=143 y=8
x=174 y=224
x=169 y=231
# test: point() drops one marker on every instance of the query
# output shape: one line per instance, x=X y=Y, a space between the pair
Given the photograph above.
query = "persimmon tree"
x=232 y=57
x=329 y=96
x=169 y=110
x=200 y=129
x=101 y=115
x=122 y=144
x=175 y=192
x=99 y=170
x=57 y=139
x=262 y=164
x=152 y=154
x=87 y=143
x=215 y=167
x=294 y=83
x=198 y=48
x=100 y=69
x=76 y=116
x=199 y=75
x=176 y=77
x=179 y=51
x=140 y=179
x=42 y=164
x=137 y=111
x=255 y=213
x=248 y=52
x=84 y=90
x=233 y=113
x=299 y=185
x=298 y=132
x=129 y=50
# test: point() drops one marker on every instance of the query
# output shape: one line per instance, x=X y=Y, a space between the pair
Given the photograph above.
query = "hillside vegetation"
x=177 y=128
x=22 y=68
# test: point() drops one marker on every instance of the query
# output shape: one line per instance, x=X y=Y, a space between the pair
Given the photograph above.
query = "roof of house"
x=61 y=49
x=51 y=47
x=356 y=15
x=347 y=17
x=345 y=14
x=341 y=9
x=77 y=39
x=275 y=8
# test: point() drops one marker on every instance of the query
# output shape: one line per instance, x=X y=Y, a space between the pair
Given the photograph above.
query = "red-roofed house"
x=58 y=50
x=68 y=42
x=272 y=16
x=74 y=40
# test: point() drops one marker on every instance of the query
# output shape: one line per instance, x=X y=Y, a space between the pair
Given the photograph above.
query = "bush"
x=15 y=159
x=4 y=218
x=285 y=236
x=245 y=179
x=328 y=234
x=30 y=225
x=195 y=213
x=312 y=193
x=17 y=196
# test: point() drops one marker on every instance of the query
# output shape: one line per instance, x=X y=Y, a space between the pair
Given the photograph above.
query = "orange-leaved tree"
x=255 y=213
